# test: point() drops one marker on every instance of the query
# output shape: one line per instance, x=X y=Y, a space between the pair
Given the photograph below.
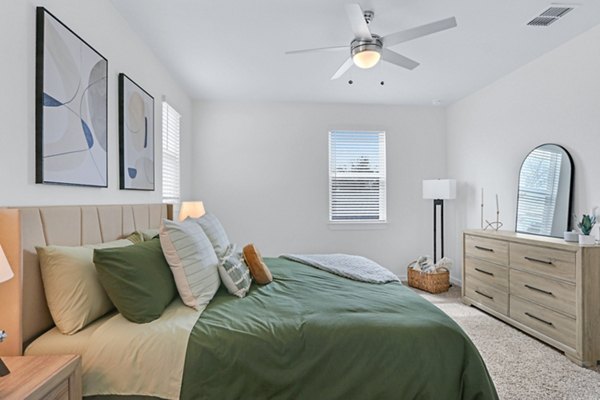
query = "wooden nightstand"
x=42 y=377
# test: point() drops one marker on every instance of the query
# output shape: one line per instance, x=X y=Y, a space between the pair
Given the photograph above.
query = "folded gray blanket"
x=353 y=267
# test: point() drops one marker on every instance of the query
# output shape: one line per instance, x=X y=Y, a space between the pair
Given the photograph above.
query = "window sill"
x=357 y=226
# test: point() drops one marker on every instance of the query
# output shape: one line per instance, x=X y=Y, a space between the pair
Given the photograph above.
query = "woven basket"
x=437 y=282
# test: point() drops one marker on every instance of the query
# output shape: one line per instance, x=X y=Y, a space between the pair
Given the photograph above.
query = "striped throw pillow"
x=215 y=232
x=234 y=272
x=193 y=261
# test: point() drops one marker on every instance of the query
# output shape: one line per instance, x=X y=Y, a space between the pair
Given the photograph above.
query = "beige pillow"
x=75 y=296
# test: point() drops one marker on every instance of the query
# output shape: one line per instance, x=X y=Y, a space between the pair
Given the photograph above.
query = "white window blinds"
x=538 y=189
x=357 y=182
x=170 y=154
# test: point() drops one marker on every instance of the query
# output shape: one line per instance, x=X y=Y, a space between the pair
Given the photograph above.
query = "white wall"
x=553 y=99
x=262 y=168
x=103 y=28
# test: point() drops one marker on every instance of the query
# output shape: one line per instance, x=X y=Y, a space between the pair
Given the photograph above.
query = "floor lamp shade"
x=444 y=189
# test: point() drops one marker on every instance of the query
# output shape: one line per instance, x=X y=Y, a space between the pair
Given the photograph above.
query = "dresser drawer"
x=495 y=299
x=491 y=274
x=61 y=392
x=552 y=324
x=552 y=262
x=551 y=293
x=492 y=250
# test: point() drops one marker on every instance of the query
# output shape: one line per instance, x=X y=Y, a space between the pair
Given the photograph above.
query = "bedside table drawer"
x=552 y=262
x=61 y=392
x=495 y=299
x=491 y=274
x=491 y=250
x=550 y=293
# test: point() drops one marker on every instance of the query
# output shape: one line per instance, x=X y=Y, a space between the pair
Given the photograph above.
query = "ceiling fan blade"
x=419 y=31
x=357 y=21
x=398 y=59
x=342 y=70
x=332 y=48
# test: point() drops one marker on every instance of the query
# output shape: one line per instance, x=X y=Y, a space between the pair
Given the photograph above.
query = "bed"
x=309 y=334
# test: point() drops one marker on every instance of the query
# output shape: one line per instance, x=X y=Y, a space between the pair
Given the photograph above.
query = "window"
x=357 y=176
x=538 y=190
x=170 y=154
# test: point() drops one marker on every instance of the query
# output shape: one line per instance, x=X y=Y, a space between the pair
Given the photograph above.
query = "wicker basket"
x=437 y=282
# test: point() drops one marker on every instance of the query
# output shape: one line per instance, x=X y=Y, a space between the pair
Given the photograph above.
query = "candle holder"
x=494 y=225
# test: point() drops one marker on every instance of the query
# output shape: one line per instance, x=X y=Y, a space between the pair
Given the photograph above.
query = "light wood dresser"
x=56 y=377
x=546 y=287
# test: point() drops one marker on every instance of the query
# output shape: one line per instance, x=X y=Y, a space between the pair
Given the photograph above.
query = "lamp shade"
x=442 y=189
x=192 y=209
x=5 y=270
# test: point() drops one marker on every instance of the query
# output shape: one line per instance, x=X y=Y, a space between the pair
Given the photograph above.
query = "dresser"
x=544 y=286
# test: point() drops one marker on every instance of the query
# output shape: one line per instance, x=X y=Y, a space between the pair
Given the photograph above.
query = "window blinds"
x=538 y=190
x=357 y=180
x=170 y=154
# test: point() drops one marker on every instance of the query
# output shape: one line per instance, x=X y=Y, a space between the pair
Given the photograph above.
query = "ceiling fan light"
x=366 y=59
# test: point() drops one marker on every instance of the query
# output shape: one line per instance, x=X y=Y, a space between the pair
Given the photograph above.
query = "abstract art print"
x=71 y=107
x=136 y=136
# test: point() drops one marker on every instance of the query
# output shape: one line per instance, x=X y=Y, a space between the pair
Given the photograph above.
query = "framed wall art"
x=136 y=136
x=71 y=107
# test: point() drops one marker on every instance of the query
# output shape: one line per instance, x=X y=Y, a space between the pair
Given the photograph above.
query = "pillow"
x=75 y=296
x=234 y=273
x=193 y=261
x=215 y=232
x=259 y=270
x=136 y=237
x=137 y=279
x=150 y=234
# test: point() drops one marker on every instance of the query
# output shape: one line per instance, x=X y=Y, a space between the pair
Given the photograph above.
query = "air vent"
x=551 y=15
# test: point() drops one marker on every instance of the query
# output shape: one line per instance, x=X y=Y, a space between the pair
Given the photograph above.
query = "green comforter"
x=313 y=335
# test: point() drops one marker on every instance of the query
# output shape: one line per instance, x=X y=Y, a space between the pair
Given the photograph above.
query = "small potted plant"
x=585 y=226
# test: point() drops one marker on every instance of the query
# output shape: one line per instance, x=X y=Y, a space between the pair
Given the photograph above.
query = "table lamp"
x=439 y=190
x=5 y=274
x=191 y=209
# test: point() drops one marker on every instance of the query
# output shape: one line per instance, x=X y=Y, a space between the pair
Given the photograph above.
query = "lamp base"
x=3 y=369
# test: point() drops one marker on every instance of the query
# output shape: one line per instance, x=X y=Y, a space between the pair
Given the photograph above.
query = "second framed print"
x=136 y=136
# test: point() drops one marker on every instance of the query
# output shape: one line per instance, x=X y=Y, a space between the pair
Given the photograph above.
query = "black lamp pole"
x=436 y=203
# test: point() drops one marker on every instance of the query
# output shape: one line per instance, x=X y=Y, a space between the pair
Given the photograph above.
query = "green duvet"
x=313 y=335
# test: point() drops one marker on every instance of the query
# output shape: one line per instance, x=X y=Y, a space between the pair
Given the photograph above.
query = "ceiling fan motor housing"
x=360 y=45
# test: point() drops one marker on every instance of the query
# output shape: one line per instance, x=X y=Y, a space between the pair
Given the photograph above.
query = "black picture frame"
x=136 y=136
x=71 y=107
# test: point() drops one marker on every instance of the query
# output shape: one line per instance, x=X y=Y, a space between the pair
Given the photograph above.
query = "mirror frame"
x=569 y=221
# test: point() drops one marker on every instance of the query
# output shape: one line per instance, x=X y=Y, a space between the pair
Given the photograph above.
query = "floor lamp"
x=439 y=190
x=5 y=274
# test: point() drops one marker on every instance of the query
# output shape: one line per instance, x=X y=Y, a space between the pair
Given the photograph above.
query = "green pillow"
x=137 y=279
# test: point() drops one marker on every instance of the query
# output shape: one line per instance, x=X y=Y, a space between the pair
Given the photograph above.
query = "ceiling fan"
x=366 y=49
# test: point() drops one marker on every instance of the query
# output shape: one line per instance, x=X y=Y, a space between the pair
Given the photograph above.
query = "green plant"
x=587 y=223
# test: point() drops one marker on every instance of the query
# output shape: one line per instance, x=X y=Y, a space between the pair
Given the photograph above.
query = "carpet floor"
x=522 y=367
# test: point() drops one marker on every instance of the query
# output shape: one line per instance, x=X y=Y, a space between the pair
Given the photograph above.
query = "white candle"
x=497 y=206
x=482 y=196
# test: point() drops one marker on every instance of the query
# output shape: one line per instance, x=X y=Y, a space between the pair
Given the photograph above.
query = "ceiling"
x=234 y=49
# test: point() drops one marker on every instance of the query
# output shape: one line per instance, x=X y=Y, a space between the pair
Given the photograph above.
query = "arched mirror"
x=544 y=199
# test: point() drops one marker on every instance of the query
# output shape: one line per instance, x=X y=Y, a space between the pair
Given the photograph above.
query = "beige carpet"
x=521 y=366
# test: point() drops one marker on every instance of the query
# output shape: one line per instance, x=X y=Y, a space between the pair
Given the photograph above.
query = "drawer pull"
x=484 y=295
x=538 y=260
x=538 y=290
x=539 y=319
x=484 y=272
x=484 y=249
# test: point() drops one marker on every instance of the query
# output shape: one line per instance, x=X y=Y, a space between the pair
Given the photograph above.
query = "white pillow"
x=215 y=232
x=192 y=260
x=234 y=273
x=74 y=294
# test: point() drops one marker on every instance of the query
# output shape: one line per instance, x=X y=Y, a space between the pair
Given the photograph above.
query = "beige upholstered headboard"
x=23 y=310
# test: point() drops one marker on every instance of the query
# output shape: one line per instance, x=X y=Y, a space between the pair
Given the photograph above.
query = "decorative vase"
x=587 y=239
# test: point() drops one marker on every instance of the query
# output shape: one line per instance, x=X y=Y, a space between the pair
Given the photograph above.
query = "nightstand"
x=42 y=377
